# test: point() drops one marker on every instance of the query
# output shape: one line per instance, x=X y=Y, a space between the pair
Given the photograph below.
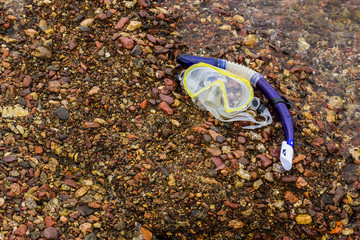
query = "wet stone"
x=50 y=233
x=90 y=236
x=138 y=62
x=211 y=172
x=207 y=138
x=62 y=113
x=85 y=210
x=199 y=214
x=326 y=199
x=339 y=194
x=136 y=51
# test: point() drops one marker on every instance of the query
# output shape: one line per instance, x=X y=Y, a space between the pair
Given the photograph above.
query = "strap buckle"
x=282 y=99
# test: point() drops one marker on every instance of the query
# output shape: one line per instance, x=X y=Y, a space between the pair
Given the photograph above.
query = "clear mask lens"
x=224 y=95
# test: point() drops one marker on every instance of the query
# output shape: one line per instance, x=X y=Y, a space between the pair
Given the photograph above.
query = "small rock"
x=81 y=191
x=339 y=194
x=237 y=224
x=327 y=200
x=133 y=25
x=301 y=183
x=94 y=90
x=218 y=163
x=166 y=108
x=87 y=22
x=9 y=159
x=136 y=51
x=91 y=236
x=121 y=23
x=2 y=201
x=241 y=140
x=257 y=184
x=91 y=125
x=127 y=42
x=214 y=152
x=49 y=222
x=303 y=219
x=288 y=179
x=50 y=233
x=165 y=98
x=42 y=53
x=302 y=44
x=254 y=136
x=244 y=174
x=84 y=227
x=62 y=113
x=85 y=210
x=54 y=86
x=291 y=197
x=332 y=148
x=199 y=214
x=263 y=162
x=20 y=231
x=27 y=81
x=73 y=44
x=31 y=32
x=269 y=176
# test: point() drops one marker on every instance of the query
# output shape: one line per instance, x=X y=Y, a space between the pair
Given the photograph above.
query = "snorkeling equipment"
x=225 y=95
x=281 y=104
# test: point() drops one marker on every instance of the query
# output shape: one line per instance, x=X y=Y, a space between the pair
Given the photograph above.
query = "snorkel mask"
x=280 y=104
x=225 y=95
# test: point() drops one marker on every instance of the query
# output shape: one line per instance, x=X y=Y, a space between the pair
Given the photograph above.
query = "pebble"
x=91 y=236
x=87 y=22
x=269 y=176
x=165 y=98
x=20 y=231
x=166 y=108
x=218 y=163
x=214 y=152
x=263 y=162
x=50 y=233
x=237 y=224
x=303 y=219
x=31 y=32
x=291 y=197
x=27 y=81
x=254 y=136
x=133 y=25
x=16 y=111
x=302 y=44
x=244 y=174
x=81 y=191
x=62 y=113
x=94 y=90
x=85 y=210
x=301 y=183
x=332 y=148
x=42 y=53
x=91 y=125
x=355 y=153
x=2 y=201
x=257 y=184
x=73 y=44
x=127 y=42
x=121 y=23
x=54 y=86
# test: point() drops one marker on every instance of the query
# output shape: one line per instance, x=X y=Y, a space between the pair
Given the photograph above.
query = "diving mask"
x=225 y=95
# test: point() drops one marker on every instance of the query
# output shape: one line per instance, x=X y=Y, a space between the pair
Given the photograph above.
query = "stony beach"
x=99 y=141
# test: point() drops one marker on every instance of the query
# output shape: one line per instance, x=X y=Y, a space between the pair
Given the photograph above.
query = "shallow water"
x=322 y=34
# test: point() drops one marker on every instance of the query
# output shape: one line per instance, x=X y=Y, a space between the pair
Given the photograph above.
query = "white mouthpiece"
x=286 y=155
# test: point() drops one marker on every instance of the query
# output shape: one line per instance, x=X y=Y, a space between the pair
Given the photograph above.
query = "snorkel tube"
x=281 y=104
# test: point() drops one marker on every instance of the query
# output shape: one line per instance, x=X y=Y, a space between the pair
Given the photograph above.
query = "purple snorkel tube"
x=281 y=104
